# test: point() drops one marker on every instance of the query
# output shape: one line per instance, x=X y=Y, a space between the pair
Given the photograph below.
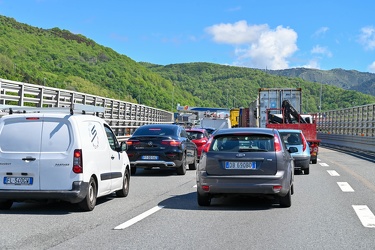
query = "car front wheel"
x=124 y=191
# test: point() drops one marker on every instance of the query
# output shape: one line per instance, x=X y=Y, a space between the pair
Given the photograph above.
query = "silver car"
x=295 y=138
x=249 y=161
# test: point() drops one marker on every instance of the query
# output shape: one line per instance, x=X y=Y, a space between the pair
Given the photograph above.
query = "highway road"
x=332 y=208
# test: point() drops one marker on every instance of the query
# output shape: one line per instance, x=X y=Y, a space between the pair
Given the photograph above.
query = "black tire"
x=306 y=171
x=193 y=165
x=133 y=170
x=89 y=202
x=314 y=161
x=124 y=191
x=204 y=200
x=286 y=201
x=181 y=170
x=5 y=204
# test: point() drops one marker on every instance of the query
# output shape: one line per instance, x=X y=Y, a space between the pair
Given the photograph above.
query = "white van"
x=52 y=154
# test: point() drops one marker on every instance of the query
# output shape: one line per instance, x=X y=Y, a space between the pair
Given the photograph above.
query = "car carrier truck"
x=281 y=108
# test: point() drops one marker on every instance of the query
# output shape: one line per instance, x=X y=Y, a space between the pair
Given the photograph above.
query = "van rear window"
x=18 y=135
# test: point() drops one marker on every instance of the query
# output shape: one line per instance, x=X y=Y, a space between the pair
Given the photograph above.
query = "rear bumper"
x=257 y=184
x=75 y=195
x=147 y=164
x=301 y=162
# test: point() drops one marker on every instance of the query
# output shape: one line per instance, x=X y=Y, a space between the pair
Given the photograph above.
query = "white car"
x=60 y=156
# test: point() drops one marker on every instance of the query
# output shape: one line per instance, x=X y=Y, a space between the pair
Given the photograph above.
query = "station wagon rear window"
x=244 y=143
x=154 y=131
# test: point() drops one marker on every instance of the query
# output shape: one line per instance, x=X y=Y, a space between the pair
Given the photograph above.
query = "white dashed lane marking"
x=333 y=173
x=324 y=164
x=345 y=187
x=138 y=218
x=365 y=215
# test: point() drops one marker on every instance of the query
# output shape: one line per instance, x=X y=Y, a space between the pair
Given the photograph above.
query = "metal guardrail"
x=350 y=127
x=123 y=117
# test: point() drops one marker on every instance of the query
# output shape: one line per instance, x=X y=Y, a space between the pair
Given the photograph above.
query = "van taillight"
x=77 y=162
x=277 y=143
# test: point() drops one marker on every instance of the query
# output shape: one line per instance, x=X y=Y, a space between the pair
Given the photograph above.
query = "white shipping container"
x=272 y=98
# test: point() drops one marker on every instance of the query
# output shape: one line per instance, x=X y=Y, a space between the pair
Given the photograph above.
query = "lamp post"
x=320 y=102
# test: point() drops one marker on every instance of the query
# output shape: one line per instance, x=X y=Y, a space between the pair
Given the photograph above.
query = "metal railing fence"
x=123 y=117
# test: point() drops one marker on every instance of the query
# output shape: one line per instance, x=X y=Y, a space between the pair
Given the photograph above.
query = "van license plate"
x=150 y=157
x=240 y=165
x=18 y=180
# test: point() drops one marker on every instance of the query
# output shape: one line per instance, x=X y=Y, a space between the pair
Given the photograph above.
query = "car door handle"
x=29 y=159
x=112 y=157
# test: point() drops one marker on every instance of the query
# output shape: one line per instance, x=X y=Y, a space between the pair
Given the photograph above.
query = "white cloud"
x=317 y=49
x=367 y=37
x=371 y=67
x=312 y=64
x=257 y=46
x=321 y=31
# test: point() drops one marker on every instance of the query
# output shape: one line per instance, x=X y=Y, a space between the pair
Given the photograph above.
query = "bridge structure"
x=351 y=127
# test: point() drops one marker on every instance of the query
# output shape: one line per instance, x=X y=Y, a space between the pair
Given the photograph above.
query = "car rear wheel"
x=286 y=201
x=193 y=165
x=89 y=202
x=181 y=170
x=5 y=204
x=204 y=200
x=314 y=161
x=306 y=171
x=133 y=170
x=124 y=191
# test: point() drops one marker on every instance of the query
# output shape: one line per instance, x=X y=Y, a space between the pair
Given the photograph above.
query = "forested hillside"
x=59 y=58
x=347 y=79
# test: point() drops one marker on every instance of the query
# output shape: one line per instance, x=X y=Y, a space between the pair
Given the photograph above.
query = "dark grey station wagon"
x=246 y=161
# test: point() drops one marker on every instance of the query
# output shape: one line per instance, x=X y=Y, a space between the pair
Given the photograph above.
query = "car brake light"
x=132 y=142
x=304 y=143
x=277 y=143
x=206 y=188
x=206 y=146
x=172 y=143
x=77 y=161
x=277 y=188
x=32 y=118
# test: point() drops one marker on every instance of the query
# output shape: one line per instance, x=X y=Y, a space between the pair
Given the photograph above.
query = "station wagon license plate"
x=240 y=165
x=150 y=157
x=18 y=180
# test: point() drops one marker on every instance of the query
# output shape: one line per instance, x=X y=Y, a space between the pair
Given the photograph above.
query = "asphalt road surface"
x=332 y=208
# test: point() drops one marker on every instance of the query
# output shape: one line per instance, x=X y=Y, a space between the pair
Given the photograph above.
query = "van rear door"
x=20 y=152
x=56 y=158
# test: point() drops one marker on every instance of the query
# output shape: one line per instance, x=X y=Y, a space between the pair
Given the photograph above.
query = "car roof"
x=290 y=130
x=247 y=130
x=196 y=129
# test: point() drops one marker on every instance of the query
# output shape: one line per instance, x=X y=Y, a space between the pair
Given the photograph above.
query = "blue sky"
x=321 y=34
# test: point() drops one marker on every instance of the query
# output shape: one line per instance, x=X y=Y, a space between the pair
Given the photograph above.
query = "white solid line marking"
x=195 y=186
x=333 y=173
x=324 y=164
x=138 y=218
x=345 y=187
x=365 y=215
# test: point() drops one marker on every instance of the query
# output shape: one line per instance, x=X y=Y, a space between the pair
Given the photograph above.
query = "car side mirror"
x=123 y=146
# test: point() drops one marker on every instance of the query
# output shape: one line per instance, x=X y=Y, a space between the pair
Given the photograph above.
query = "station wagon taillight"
x=206 y=146
x=77 y=162
x=277 y=143
x=304 y=142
